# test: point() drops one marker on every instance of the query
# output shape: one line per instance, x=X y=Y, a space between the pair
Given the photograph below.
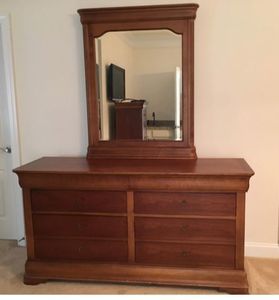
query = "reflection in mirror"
x=139 y=85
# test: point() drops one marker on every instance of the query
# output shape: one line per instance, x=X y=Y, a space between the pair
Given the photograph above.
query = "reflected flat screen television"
x=116 y=83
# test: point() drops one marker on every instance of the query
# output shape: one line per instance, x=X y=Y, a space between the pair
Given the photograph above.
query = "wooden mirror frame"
x=177 y=18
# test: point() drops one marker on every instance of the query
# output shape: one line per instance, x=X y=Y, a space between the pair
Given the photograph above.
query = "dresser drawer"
x=187 y=255
x=184 y=229
x=181 y=203
x=83 y=201
x=81 y=226
x=81 y=249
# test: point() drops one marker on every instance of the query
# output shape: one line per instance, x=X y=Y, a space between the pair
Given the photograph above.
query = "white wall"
x=236 y=100
x=236 y=88
x=155 y=78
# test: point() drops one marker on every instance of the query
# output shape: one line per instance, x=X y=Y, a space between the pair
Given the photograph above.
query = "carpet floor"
x=263 y=277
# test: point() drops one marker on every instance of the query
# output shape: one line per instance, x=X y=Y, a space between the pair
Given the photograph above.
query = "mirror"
x=139 y=85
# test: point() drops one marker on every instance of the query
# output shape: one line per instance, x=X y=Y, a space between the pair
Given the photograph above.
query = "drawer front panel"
x=185 y=254
x=83 y=201
x=183 y=229
x=81 y=249
x=212 y=204
x=82 y=226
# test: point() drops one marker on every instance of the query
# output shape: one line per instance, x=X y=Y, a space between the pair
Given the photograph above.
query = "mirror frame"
x=177 y=18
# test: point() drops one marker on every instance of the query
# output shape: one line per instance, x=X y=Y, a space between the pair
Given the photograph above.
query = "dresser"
x=133 y=210
x=177 y=222
x=130 y=120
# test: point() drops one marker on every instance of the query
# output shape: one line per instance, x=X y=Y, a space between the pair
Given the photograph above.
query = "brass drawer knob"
x=184 y=253
x=184 y=228
x=82 y=226
x=78 y=203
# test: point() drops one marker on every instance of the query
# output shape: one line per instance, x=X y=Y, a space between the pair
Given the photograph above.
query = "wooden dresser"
x=137 y=211
x=130 y=120
x=168 y=222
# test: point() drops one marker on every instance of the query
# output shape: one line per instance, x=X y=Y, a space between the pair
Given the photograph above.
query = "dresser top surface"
x=80 y=165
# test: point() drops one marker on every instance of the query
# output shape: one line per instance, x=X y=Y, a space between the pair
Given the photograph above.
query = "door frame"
x=5 y=32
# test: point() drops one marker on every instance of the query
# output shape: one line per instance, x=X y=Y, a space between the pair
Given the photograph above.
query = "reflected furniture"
x=162 y=129
x=130 y=120
x=137 y=211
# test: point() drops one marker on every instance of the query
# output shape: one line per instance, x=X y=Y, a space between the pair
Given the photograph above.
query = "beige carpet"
x=263 y=276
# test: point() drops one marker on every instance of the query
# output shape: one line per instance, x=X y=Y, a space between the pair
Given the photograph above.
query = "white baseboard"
x=262 y=250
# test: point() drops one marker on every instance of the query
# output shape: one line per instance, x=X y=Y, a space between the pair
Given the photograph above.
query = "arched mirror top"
x=139 y=80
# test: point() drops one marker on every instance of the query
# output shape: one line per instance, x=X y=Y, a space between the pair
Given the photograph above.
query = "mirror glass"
x=139 y=85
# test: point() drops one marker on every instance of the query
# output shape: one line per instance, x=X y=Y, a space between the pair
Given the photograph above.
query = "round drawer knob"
x=80 y=249
x=78 y=203
x=184 y=253
x=82 y=226
x=183 y=202
x=79 y=226
x=184 y=228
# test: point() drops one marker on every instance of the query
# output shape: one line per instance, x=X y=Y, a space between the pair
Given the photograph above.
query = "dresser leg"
x=29 y=280
x=237 y=291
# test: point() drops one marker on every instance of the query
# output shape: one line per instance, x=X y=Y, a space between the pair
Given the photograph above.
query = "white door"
x=11 y=217
x=8 y=224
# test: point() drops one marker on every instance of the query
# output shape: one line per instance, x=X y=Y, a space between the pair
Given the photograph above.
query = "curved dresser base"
x=231 y=281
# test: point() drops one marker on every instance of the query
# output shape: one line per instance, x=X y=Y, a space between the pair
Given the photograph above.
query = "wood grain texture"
x=131 y=226
x=185 y=255
x=186 y=216
x=80 y=249
x=240 y=230
x=79 y=226
x=228 y=175
x=139 y=13
x=184 y=229
x=28 y=222
x=210 y=167
x=136 y=182
x=79 y=201
x=207 y=204
x=234 y=279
